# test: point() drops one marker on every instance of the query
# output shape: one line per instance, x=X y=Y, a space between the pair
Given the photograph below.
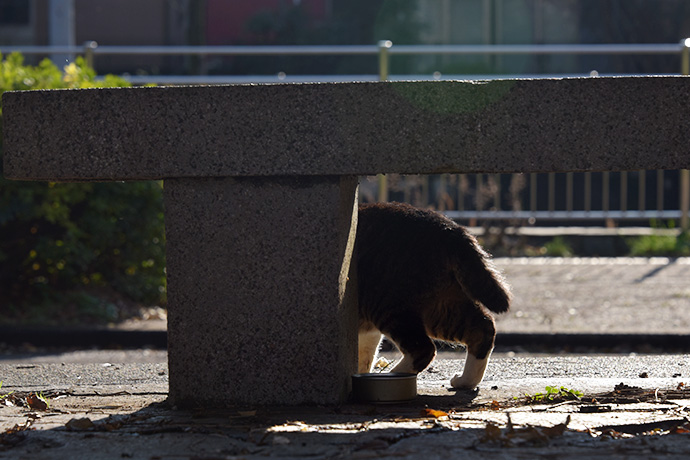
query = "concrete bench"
x=261 y=190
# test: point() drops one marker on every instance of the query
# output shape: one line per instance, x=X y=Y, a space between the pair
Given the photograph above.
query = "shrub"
x=660 y=244
x=76 y=243
x=558 y=247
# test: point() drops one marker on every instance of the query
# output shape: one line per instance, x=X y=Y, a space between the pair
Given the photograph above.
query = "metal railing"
x=525 y=205
x=385 y=49
x=608 y=197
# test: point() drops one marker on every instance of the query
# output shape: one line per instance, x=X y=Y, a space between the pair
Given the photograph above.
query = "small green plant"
x=3 y=396
x=554 y=394
x=44 y=399
x=558 y=247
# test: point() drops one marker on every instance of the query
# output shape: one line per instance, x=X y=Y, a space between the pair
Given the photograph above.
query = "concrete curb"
x=157 y=339
x=83 y=338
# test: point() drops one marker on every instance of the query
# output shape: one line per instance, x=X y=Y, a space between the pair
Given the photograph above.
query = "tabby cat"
x=422 y=276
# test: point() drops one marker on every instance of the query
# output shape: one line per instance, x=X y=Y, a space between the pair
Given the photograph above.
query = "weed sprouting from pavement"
x=554 y=394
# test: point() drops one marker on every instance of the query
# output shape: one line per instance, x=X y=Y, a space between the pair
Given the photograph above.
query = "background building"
x=356 y=22
x=266 y=22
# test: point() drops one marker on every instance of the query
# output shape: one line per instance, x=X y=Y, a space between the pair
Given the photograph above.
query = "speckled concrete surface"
x=107 y=411
x=348 y=128
x=249 y=296
x=598 y=295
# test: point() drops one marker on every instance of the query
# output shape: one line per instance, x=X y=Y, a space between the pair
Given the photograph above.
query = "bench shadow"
x=159 y=430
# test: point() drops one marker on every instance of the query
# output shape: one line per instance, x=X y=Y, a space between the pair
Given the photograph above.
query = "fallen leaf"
x=111 y=424
x=556 y=430
x=530 y=435
x=680 y=430
x=434 y=413
x=492 y=433
x=19 y=427
x=15 y=435
x=35 y=402
x=613 y=434
x=79 y=424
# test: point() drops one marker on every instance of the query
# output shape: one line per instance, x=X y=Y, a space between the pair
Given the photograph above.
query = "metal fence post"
x=384 y=46
x=89 y=49
x=384 y=57
x=684 y=198
x=684 y=173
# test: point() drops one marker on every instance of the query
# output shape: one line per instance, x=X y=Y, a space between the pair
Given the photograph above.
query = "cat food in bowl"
x=384 y=387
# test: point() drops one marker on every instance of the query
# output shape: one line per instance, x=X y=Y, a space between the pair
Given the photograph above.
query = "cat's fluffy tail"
x=477 y=275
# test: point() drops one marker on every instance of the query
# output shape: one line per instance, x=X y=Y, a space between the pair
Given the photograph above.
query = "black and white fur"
x=421 y=276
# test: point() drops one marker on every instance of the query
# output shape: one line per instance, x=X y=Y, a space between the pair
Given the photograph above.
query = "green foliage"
x=3 y=396
x=660 y=244
x=558 y=247
x=15 y=76
x=554 y=394
x=75 y=244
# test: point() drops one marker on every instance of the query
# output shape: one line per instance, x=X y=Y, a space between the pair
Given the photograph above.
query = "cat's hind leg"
x=417 y=348
x=472 y=374
x=369 y=341
x=480 y=343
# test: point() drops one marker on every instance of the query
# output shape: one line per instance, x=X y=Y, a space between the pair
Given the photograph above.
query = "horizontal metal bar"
x=41 y=49
x=564 y=215
x=280 y=78
x=644 y=48
x=239 y=50
x=196 y=50
x=243 y=79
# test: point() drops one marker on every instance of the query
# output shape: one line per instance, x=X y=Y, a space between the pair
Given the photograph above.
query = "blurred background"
x=351 y=22
x=94 y=253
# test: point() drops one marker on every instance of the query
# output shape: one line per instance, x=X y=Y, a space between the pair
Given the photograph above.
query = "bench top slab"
x=580 y=124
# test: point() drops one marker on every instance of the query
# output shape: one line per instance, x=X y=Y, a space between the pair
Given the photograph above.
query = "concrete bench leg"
x=260 y=307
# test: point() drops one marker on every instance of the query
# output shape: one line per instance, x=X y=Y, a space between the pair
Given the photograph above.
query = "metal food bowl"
x=384 y=388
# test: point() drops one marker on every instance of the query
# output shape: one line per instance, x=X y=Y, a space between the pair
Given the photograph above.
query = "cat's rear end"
x=422 y=276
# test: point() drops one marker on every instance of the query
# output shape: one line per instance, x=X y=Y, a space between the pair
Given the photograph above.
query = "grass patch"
x=3 y=396
x=660 y=245
x=558 y=247
x=554 y=395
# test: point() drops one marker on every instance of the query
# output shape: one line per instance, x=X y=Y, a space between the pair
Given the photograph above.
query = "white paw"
x=461 y=382
x=472 y=375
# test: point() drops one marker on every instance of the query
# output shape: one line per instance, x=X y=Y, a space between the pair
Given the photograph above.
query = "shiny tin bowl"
x=384 y=387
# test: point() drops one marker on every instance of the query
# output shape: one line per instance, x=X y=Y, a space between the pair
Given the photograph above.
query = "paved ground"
x=598 y=295
x=604 y=297
x=100 y=411
x=110 y=404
